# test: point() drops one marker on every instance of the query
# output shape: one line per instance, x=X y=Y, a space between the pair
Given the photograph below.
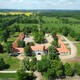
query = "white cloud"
x=70 y=3
x=20 y=0
x=63 y=0
x=16 y=1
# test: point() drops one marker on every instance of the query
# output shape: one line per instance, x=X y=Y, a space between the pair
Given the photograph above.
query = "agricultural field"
x=16 y=13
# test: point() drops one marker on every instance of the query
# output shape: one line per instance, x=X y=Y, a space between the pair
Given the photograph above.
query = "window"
x=39 y=53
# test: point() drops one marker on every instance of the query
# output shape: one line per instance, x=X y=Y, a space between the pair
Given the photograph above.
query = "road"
x=12 y=71
x=73 y=49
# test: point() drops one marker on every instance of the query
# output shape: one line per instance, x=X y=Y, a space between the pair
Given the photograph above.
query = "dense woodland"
x=66 y=24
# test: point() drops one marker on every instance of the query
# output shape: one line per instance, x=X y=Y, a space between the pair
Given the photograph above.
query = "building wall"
x=64 y=54
x=36 y=52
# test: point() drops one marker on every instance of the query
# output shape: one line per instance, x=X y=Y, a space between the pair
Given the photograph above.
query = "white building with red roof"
x=39 y=50
x=62 y=50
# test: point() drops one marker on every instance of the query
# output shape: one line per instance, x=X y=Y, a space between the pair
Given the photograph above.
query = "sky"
x=40 y=4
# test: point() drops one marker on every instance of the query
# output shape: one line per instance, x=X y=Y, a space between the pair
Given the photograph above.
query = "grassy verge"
x=70 y=38
x=78 y=48
x=13 y=62
x=7 y=75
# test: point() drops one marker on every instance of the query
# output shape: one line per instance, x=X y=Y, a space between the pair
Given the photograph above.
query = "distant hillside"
x=37 y=10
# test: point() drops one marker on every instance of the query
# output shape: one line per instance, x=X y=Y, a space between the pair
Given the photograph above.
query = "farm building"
x=62 y=50
x=15 y=45
x=39 y=50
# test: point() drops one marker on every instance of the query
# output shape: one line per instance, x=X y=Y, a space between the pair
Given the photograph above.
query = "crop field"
x=16 y=13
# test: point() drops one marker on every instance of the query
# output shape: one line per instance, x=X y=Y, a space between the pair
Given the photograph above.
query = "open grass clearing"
x=78 y=48
x=13 y=62
x=16 y=34
x=12 y=39
x=70 y=38
x=7 y=75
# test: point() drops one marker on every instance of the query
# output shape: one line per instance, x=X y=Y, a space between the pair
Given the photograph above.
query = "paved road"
x=72 y=42
x=73 y=50
x=12 y=71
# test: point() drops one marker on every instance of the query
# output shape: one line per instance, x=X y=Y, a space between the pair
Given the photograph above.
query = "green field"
x=78 y=48
x=13 y=37
x=70 y=38
x=13 y=62
x=7 y=75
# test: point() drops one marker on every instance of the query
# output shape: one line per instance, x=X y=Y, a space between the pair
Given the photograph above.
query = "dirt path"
x=38 y=75
x=73 y=60
x=73 y=50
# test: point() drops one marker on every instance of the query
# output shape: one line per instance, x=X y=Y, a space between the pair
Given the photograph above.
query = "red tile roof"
x=19 y=38
x=63 y=48
x=35 y=48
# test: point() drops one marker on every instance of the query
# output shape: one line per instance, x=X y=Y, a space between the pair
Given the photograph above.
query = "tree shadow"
x=6 y=66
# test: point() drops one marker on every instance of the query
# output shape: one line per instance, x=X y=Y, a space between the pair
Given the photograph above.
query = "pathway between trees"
x=73 y=50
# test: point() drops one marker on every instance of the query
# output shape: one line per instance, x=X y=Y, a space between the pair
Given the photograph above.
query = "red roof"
x=19 y=38
x=63 y=48
x=35 y=48
x=19 y=50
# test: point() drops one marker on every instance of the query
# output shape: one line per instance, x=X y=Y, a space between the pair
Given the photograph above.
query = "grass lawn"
x=78 y=48
x=16 y=34
x=70 y=38
x=7 y=75
x=12 y=61
x=13 y=37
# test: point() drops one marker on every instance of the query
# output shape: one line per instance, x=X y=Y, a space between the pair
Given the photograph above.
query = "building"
x=15 y=45
x=39 y=50
x=62 y=50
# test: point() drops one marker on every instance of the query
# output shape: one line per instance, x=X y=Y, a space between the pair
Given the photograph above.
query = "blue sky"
x=40 y=4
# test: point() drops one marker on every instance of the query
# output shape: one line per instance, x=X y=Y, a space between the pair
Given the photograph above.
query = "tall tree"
x=25 y=64
x=43 y=65
x=52 y=49
x=8 y=47
x=57 y=66
x=21 y=75
x=1 y=48
x=39 y=37
x=2 y=64
x=68 y=70
x=76 y=68
x=27 y=51
x=33 y=63
x=53 y=56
